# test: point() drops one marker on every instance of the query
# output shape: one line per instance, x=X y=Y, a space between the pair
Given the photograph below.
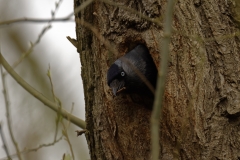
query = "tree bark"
x=201 y=111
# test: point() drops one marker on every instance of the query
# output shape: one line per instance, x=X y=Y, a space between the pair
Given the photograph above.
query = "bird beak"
x=114 y=91
x=117 y=86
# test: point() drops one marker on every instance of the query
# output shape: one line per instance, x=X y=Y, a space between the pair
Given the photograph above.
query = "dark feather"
x=136 y=61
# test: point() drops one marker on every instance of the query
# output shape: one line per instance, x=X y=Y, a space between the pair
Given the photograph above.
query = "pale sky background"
x=33 y=123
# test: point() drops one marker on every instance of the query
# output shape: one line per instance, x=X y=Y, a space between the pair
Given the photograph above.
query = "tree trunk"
x=201 y=110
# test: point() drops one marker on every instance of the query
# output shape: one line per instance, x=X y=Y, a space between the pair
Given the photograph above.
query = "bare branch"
x=39 y=95
x=79 y=133
x=157 y=108
x=35 y=149
x=4 y=142
x=44 y=30
x=59 y=117
x=9 y=115
x=42 y=20
x=51 y=83
x=43 y=145
x=73 y=41
x=34 y=20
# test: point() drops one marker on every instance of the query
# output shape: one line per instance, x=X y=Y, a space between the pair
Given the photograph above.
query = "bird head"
x=127 y=72
x=116 y=77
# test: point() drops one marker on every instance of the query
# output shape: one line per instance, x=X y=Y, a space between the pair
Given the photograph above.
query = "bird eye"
x=122 y=73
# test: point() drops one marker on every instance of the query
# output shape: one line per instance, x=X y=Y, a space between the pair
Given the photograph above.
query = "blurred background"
x=33 y=124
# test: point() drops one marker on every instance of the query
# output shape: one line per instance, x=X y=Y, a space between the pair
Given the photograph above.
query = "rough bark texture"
x=202 y=100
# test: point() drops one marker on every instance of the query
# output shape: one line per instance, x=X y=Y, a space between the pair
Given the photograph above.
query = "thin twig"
x=35 y=149
x=42 y=20
x=44 y=30
x=4 y=142
x=157 y=108
x=153 y=20
x=51 y=83
x=113 y=50
x=39 y=95
x=98 y=35
x=8 y=114
x=65 y=133
x=58 y=118
x=34 y=20
x=139 y=73
x=79 y=133
x=158 y=22
x=73 y=41
x=44 y=145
